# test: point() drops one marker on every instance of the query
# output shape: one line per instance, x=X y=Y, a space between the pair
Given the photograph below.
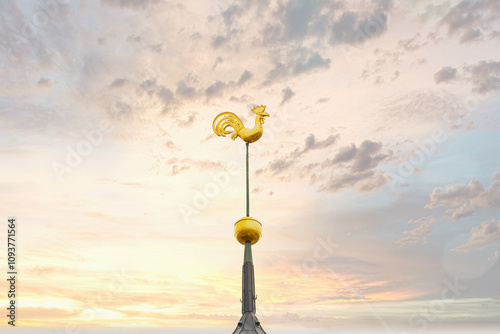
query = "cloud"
x=412 y=44
x=345 y=154
x=482 y=236
x=356 y=168
x=367 y=156
x=434 y=11
x=375 y=182
x=428 y=219
x=232 y=19
x=315 y=61
x=420 y=107
x=296 y=20
x=312 y=144
x=412 y=240
x=416 y=170
x=218 y=88
x=218 y=61
x=231 y=13
x=120 y=109
x=44 y=83
x=218 y=41
x=383 y=59
x=158 y=48
x=189 y=121
x=282 y=164
x=287 y=95
x=345 y=180
x=470 y=17
x=302 y=18
x=456 y=194
x=465 y=210
x=224 y=38
x=131 y=4
x=471 y=35
x=459 y=17
x=300 y=22
x=461 y=200
x=164 y=94
x=134 y=38
x=185 y=91
x=360 y=158
x=485 y=76
x=37 y=36
x=167 y=97
x=118 y=82
x=297 y=62
x=496 y=256
x=445 y=74
x=353 y=28
x=425 y=226
x=245 y=77
x=490 y=198
x=343 y=30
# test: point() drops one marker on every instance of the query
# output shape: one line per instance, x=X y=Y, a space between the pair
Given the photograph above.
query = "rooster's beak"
x=265 y=114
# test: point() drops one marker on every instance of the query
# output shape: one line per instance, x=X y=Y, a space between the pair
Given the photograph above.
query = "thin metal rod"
x=248 y=193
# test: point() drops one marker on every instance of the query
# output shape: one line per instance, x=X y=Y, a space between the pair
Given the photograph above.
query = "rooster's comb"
x=259 y=110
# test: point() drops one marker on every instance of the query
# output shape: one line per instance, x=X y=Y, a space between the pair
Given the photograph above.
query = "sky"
x=377 y=179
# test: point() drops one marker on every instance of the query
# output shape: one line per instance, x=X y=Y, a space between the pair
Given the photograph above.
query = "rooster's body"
x=228 y=119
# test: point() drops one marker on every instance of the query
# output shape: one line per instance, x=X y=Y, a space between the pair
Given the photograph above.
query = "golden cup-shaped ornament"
x=247 y=229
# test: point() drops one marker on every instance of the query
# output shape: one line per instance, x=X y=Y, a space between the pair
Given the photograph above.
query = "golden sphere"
x=247 y=229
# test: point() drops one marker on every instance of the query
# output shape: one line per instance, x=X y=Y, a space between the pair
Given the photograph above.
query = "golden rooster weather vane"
x=247 y=230
x=227 y=120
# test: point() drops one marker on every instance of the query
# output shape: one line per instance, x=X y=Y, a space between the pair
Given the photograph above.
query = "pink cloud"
x=482 y=236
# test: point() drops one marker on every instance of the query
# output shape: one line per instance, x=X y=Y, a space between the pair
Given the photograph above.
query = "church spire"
x=248 y=322
x=247 y=230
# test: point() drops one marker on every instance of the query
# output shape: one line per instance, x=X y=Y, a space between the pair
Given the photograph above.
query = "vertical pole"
x=248 y=193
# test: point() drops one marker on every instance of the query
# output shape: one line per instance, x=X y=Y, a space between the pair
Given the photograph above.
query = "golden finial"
x=227 y=119
x=247 y=229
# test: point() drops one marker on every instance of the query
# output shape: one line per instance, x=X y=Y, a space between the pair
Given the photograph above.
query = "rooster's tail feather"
x=227 y=120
